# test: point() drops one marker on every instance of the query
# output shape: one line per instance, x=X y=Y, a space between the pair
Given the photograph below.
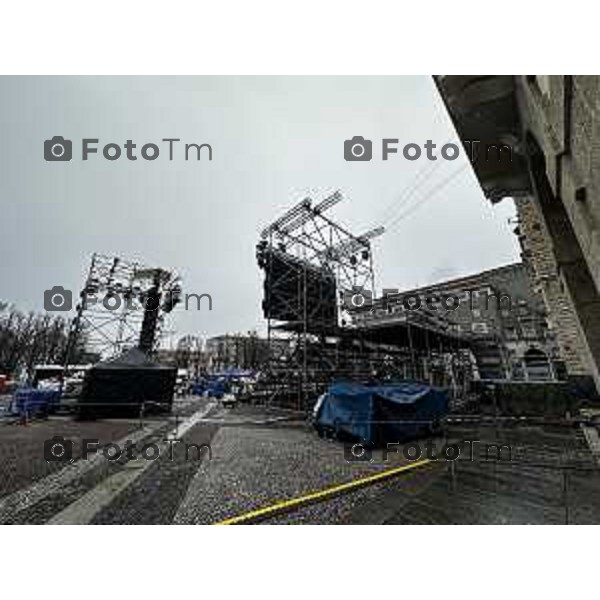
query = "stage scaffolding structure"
x=313 y=267
x=325 y=323
x=122 y=304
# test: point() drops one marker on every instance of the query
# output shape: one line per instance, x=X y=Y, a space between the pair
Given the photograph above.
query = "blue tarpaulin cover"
x=32 y=401
x=381 y=413
x=215 y=387
x=234 y=373
x=219 y=384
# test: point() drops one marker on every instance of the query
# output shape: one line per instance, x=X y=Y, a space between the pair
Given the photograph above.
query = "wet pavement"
x=551 y=478
x=259 y=457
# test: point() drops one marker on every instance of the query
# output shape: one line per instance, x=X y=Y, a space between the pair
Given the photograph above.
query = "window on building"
x=537 y=365
x=479 y=327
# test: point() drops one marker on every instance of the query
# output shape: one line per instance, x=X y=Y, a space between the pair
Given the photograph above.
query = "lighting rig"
x=122 y=304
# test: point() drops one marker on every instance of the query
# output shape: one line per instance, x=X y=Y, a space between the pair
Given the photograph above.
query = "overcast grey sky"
x=275 y=140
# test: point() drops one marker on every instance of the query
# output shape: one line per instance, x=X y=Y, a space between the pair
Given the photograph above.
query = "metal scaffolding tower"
x=312 y=265
x=122 y=304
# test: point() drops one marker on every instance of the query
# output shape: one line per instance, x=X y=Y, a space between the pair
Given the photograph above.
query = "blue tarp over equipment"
x=34 y=402
x=218 y=384
x=214 y=386
x=382 y=413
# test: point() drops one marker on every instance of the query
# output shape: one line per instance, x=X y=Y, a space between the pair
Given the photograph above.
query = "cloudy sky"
x=275 y=141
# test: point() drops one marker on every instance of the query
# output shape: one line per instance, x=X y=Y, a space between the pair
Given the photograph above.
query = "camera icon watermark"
x=58 y=149
x=357 y=452
x=57 y=449
x=358 y=148
x=357 y=298
x=58 y=299
x=428 y=450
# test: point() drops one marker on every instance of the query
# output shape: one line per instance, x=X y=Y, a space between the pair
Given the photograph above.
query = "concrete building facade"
x=243 y=351
x=552 y=126
x=497 y=314
x=543 y=272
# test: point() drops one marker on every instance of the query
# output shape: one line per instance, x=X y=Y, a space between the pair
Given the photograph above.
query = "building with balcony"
x=496 y=313
x=551 y=125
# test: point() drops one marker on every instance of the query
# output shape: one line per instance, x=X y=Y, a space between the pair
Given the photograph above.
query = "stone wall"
x=562 y=115
x=503 y=318
x=543 y=273
x=553 y=124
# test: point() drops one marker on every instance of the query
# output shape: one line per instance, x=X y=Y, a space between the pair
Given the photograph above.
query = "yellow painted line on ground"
x=321 y=494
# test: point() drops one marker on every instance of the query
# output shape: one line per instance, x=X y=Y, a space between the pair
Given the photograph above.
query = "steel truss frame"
x=310 y=242
x=112 y=311
x=316 y=353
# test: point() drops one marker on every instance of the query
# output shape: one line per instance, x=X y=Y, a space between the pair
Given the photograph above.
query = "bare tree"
x=30 y=339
